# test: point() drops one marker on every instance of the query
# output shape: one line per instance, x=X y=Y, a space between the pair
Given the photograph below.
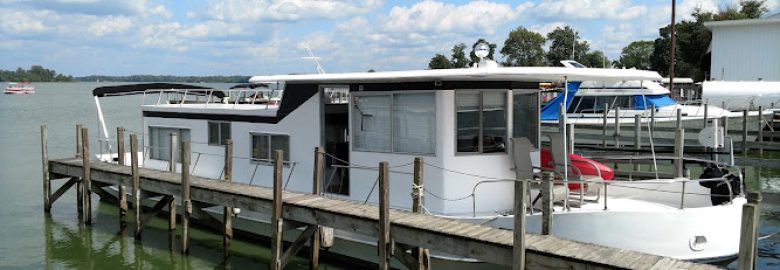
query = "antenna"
x=316 y=60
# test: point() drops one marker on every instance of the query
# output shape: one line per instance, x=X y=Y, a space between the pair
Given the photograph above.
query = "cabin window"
x=481 y=122
x=160 y=142
x=264 y=145
x=219 y=132
x=525 y=116
x=394 y=123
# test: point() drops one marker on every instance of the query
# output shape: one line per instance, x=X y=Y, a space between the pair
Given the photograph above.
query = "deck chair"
x=592 y=183
x=524 y=169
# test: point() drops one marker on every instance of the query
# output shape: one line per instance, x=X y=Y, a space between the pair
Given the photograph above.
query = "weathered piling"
x=570 y=138
x=521 y=196
x=747 y=242
x=227 y=212
x=45 y=168
x=383 y=245
x=276 y=213
x=637 y=136
x=547 y=202
x=421 y=255
x=136 y=184
x=172 y=168
x=86 y=178
x=679 y=119
x=120 y=150
x=652 y=121
x=316 y=189
x=760 y=131
x=78 y=140
x=185 y=197
x=705 y=118
x=679 y=144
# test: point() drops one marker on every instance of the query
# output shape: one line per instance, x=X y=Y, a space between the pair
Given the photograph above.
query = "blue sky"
x=256 y=37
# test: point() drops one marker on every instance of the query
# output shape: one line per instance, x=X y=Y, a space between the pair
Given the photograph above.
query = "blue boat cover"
x=649 y=101
x=550 y=110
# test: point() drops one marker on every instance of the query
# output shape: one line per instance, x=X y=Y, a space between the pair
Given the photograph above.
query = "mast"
x=671 y=55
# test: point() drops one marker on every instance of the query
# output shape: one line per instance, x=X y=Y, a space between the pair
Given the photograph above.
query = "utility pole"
x=671 y=54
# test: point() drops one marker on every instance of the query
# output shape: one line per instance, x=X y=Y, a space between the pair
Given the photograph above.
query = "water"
x=29 y=239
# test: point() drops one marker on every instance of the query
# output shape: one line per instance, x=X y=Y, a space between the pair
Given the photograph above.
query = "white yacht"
x=477 y=130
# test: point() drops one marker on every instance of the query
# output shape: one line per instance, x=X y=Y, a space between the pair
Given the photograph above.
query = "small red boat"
x=582 y=163
x=20 y=88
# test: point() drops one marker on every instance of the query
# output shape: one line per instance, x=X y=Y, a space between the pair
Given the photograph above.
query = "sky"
x=262 y=37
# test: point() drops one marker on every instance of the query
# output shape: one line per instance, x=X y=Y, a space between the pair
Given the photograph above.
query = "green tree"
x=474 y=58
x=595 y=59
x=439 y=62
x=636 y=55
x=459 y=59
x=753 y=9
x=524 y=48
x=561 y=42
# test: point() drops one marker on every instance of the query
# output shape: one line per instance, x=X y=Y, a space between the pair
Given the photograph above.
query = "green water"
x=30 y=239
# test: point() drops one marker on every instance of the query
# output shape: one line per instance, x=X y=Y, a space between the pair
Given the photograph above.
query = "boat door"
x=335 y=138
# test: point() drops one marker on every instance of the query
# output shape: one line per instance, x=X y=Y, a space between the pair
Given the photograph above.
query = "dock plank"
x=436 y=233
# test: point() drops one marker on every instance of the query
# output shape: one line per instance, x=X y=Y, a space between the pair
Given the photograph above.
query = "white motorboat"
x=741 y=95
x=460 y=121
x=20 y=88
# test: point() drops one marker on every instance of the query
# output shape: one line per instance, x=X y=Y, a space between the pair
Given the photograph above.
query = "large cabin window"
x=160 y=141
x=264 y=145
x=481 y=121
x=218 y=132
x=394 y=123
x=595 y=104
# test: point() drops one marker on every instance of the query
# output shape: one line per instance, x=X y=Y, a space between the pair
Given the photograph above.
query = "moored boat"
x=476 y=129
x=20 y=88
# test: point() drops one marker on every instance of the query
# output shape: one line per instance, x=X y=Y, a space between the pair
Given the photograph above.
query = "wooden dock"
x=402 y=230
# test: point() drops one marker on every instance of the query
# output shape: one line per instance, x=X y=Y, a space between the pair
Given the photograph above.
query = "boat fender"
x=719 y=191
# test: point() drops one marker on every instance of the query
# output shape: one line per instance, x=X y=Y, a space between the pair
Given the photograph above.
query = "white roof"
x=540 y=74
x=714 y=24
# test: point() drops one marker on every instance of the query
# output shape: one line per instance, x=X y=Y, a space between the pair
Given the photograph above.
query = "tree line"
x=36 y=73
x=524 y=47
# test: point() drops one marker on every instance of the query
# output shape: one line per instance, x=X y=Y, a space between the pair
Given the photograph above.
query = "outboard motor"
x=719 y=190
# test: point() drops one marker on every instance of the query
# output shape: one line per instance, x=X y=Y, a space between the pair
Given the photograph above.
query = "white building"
x=745 y=50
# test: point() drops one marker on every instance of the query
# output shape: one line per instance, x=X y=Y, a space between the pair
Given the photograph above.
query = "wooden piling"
x=570 y=138
x=136 y=184
x=78 y=141
x=679 y=119
x=384 y=217
x=679 y=144
x=276 y=213
x=87 y=177
x=518 y=247
x=652 y=121
x=637 y=136
x=617 y=127
x=422 y=255
x=172 y=168
x=227 y=212
x=45 y=168
x=185 y=197
x=316 y=189
x=749 y=230
x=706 y=110
x=120 y=149
x=744 y=131
x=604 y=124
x=547 y=202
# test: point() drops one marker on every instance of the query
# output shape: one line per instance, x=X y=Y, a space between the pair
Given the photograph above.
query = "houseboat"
x=478 y=131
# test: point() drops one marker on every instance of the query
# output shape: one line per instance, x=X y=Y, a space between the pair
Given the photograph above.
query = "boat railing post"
x=637 y=137
x=744 y=132
x=617 y=127
x=604 y=124
x=760 y=131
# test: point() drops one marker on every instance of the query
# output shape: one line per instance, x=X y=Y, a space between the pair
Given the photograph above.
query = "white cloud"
x=590 y=9
x=22 y=22
x=286 y=10
x=110 y=25
x=162 y=36
x=547 y=28
x=433 y=16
